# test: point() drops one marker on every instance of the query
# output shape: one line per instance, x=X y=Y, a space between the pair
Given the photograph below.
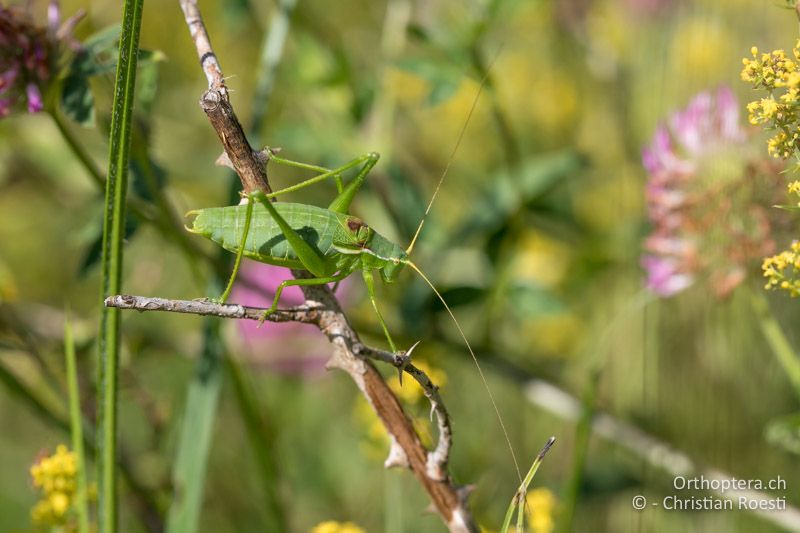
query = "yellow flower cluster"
x=541 y=504
x=55 y=477
x=783 y=270
x=331 y=526
x=779 y=76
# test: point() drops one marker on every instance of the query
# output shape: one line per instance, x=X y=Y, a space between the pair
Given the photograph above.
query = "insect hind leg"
x=325 y=174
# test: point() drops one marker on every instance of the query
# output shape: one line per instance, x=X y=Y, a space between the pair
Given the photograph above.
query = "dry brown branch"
x=247 y=163
x=322 y=309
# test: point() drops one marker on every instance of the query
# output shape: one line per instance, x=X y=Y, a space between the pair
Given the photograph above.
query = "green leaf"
x=94 y=251
x=147 y=84
x=77 y=100
x=531 y=301
x=99 y=56
x=509 y=192
x=405 y=202
x=443 y=81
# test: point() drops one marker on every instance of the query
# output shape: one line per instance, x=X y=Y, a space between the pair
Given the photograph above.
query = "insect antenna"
x=477 y=365
x=452 y=157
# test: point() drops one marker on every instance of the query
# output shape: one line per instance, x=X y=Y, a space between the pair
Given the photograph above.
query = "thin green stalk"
x=776 y=339
x=519 y=498
x=33 y=400
x=76 y=428
x=113 y=238
x=78 y=149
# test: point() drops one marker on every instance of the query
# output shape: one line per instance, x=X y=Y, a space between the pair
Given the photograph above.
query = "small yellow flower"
x=59 y=501
x=769 y=107
x=541 y=503
x=332 y=526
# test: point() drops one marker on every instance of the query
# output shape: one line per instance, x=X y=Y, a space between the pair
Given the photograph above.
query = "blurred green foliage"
x=535 y=240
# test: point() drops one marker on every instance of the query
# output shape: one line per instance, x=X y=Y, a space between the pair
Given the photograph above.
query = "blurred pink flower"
x=28 y=56
x=24 y=62
x=286 y=347
x=698 y=207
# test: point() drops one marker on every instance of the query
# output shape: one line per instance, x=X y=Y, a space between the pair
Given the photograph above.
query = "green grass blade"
x=189 y=472
x=76 y=428
x=519 y=495
x=113 y=235
x=196 y=432
x=776 y=339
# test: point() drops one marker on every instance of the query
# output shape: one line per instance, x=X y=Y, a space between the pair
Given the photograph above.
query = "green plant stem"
x=76 y=428
x=113 y=238
x=77 y=148
x=776 y=339
x=519 y=497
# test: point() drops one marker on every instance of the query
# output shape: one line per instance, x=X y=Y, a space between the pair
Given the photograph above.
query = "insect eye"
x=354 y=224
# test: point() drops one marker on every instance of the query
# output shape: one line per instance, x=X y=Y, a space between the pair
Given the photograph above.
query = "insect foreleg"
x=370 y=283
x=299 y=283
